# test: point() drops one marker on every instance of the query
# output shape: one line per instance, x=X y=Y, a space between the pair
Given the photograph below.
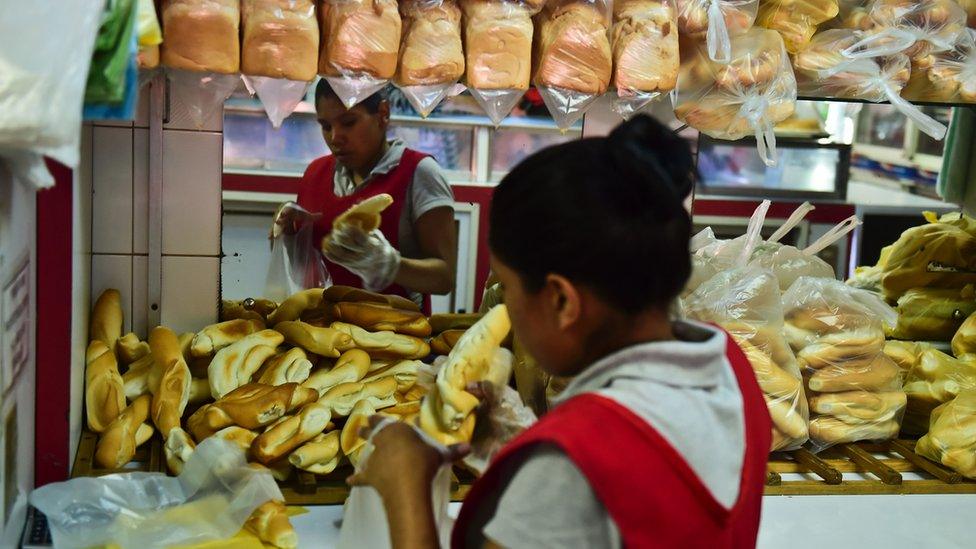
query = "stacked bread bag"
x=644 y=41
x=951 y=437
x=951 y=76
x=745 y=97
x=855 y=390
x=716 y=21
x=431 y=58
x=795 y=20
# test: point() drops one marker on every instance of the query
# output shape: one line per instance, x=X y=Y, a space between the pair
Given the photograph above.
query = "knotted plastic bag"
x=718 y=21
x=951 y=439
x=934 y=24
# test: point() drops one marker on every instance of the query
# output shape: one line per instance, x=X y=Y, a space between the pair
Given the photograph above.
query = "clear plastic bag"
x=935 y=25
x=713 y=255
x=44 y=75
x=951 y=78
x=202 y=94
x=855 y=390
x=296 y=262
x=507 y=417
x=933 y=314
x=645 y=53
x=951 y=439
x=934 y=255
x=212 y=498
x=278 y=97
x=795 y=20
x=279 y=39
x=202 y=35
x=718 y=21
x=359 y=51
x=964 y=340
x=933 y=379
x=431 y=59
x=747 y=96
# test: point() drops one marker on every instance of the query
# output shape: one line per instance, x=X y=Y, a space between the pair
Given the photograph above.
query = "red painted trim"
x=260 y=183
x=825 y=213
x=53 y=328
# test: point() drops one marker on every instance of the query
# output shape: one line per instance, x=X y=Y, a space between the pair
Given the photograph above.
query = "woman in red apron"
x=662 y=436
x=413 y=252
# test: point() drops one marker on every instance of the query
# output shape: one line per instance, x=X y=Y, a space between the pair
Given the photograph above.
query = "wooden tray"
x=149 y=458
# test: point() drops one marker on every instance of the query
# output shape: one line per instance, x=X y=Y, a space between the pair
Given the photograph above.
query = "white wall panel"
x=112 y=190
x=140 y=191
x=191 y=192
x=190 y=292
x=113 y=271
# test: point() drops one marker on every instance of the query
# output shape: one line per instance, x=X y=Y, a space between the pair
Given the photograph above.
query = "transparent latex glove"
x=370 y=256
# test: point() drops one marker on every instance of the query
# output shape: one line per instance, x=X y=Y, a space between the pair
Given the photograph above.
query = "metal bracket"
x=158 y=112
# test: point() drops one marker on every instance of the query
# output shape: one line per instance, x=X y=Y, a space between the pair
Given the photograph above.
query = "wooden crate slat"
x=945 y=475
x=818 y=466
x=871 y=464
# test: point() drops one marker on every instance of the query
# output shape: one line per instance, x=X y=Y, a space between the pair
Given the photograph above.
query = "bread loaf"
x=238 y=435
x=645 y=46
x=787 y=418
x=795 y=20
x=880 y=375
x=199 y=391
x=135 y=380
x=117 y=445
x=351 y=366
x=378 y=318
x=327 y=342
x=320 y=455
x=269 y=522
x=235 y=310
x=178 y=447
x=296 y=304
x=430 y=45
x=830 y=430
x=404 y=373
x=571 y=49
x=217 y=336
x=106 y=319
x=693 y=16
x=860 y=406
x=457 y=321
x=383 y=345
x=856 y=349
x=338 y=294
x=104 y=390
x=341 y=399
x=404 y=409
x=130 y=349
x=170 y=400
x=291 y=366
x=359 y=37
x=291 y=433
x=497 y=44
x=201 y=35
x=350 y=440
x=234 y=365
x=280 y=39
x=445 y=341
x=250 y=406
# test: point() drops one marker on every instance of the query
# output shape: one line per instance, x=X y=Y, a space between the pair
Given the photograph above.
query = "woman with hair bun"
x=661 y=439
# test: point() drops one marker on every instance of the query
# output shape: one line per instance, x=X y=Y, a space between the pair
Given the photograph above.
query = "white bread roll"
x=104 y=389
x=170 y=400
x=405 y=374
x=217 y=336
x=383 y=345
x=321 y=455
x=291 y=366
x=830 y=430
x=351 y=367
x=327 y=342
x=129 y=348
x=269 y=522
x=291 y=433
x=250 y=406
x=240 y=436
x=880 y=375
x=178 y=448
x=341 y=399
x=860 y=406
x=296 y=304
x=117 y=445
x=234 y=365
x=350 y=440
x=106 y=319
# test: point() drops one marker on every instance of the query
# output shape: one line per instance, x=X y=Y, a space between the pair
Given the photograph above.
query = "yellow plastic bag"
x=147 y=25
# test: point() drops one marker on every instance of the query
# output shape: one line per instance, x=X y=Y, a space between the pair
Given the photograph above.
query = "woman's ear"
x=565 y=300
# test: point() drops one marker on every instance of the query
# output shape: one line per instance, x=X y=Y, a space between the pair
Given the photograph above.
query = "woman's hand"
x=289 y=218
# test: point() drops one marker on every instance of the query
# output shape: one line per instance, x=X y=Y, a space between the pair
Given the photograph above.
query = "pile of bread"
x=290 y=384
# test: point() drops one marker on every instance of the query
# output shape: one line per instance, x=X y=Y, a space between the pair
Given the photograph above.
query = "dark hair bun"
x=649 y=153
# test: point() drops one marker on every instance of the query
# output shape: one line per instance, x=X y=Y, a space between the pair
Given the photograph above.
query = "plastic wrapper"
x=711 y=255
x=951 y=437
x=718 y=21
x=795 y=20
x=746 y=97
x=933 y=379
x=201 y=35
x=855 y=390
x=934 y=255
x=935 y=25
x=952 y=77
x=202 y=94
x=645 y=52
x=431 y=58
x=498 y=53
x=150 y=34
x=43 y=83
x=296 y=262
x=279 y=39
x=212 y=498
x=964 y=340
x=572 y=58
x=113 y=50
x=933 y=314
x=279 y=97
x=789 y=263
x=360 y=41
x=505 y=416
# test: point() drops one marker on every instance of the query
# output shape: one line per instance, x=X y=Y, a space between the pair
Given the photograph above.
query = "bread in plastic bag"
x=359 y=46
x=934 y=255
x=855 y=390
x=201 y=35
x=951 y=438
x=710 y=255
x=745 y=301
x=279 y=39
x=933 y=379
x=933 y=314
x=644 y=39
x=952 y=76
x=745 y=97
x=571 y=56
x=212 y=498
x=717 y=21
x=935 y=25
x=964 y=340
x=795 y=20
x=296 y=263
x=431 y=58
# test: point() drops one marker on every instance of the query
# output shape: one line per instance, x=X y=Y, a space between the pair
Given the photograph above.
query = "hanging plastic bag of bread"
x=201 y=35
x=571 y=57
x=969 y=6
x=644 y=38
x=952 y=77
x=935 y=25
x=933 y=314
x=360 y=41
x=431 y=59
x=745 y=301
x=795 y=20
x=747 y=96
x=854 y=389
x=710 y=255
x=210 y=500
x=279 y=52
x=717 y=21
x=951 y=438
x=933 y=378
x=150 y=35
x=498 y=53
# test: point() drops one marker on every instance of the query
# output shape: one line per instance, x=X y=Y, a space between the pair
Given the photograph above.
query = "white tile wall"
x=140 y=191
x=112 y=190
x=113 y=271
x=192 y=172
x=190 y=292
x=140 y=281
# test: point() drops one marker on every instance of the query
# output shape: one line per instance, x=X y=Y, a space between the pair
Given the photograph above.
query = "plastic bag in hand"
x=359 y=50
x=296 y=263
x=795 y=20
x=210 y=500
x=718 y=21
x=431 y=56
x=745 y=301
x=745 y=97
x=279 y=39
x=951 y=439
x=645 y=52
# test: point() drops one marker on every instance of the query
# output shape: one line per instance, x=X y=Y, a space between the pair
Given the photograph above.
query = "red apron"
x=652 y=494
x=316 y=193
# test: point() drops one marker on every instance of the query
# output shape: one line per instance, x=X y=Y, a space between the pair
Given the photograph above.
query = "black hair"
x=372 y=103
x=604 y=212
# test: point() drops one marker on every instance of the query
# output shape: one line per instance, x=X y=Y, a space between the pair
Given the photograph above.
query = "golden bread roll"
x=238 y=435
x=881 y=374
x=859 y=406
x=795 y=20
x=382 y=345
x=416 y=392
x=291 y=433
x=497 y=45
x=130 y=349
x=378 y=318
x=135 y=380
x=250 y=406
x=279 y=39
x=830 y=430
x=327 y=342
x=773 y=380
x=321 y=455
x=855 y=348
x=234 y=365
x=217 y=336
x=106 y=319
x=403 y=409
x=104 y=389
x=359 y=36
x=933 y=314
x=903 y=353
x=964 y=341
x=350 y=439
x=645 y=46
x=343 y=397
x=296 y=304
x=430 y=44
x=291 y=366
x=117 y=445
x=247 y=309
x=170 y=400
x=835 y=318
x=456 y=321
x=428 y=420
x=199 y=391
x=787 y=418
x=445 y=341
x=269 y=522
x=351 y=366
x=201 y=35
x=405 y=374
x=951 y=437
x=339 y=294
